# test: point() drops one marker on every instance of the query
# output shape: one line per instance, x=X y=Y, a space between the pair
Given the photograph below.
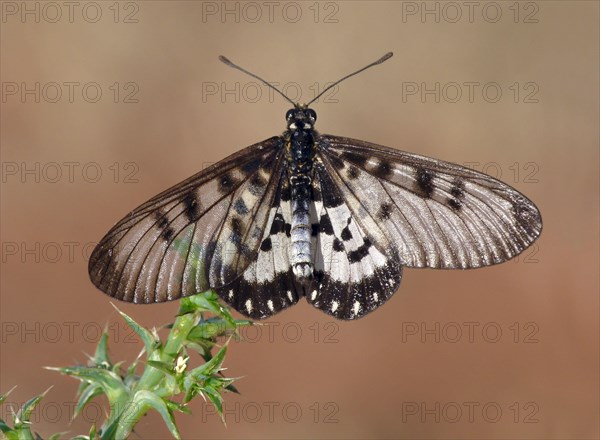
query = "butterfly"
x=303 y=214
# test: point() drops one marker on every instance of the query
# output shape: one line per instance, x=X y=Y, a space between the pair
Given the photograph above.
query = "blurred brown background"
x=105 y=104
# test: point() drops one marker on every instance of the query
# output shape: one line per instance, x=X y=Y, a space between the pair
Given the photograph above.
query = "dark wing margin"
x=200 y=234
x=434 y=213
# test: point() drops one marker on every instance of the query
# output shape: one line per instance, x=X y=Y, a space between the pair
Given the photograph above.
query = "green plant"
x=165 y=373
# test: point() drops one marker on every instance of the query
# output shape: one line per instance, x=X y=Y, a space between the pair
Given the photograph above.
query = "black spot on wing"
x=337 y=163
x=454 y=203
x=236 y=226
x=162 y=223
x=354 y=158
x=457 y=192
x=266 y=165
x=286 y=194
x=424 y=181
x=192 y=207
x=352 y=172
x=346 y=234
x=383 y=170
x=325 y=225
x=385 y=211
x=161 y=220
x=315 y=229
x=338 y=246
x=251 y=166
x=240 y=207
x=257 y=185
x=266 y=245
x=168 y=233
x=278 y=225
x=226 y=183
x=360 y=253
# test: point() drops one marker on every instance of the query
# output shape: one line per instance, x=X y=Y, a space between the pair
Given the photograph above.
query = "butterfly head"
x=300 y=118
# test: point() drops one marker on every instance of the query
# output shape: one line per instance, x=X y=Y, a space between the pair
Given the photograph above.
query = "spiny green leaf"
x=200 y=348
x=101 y=354
x=211 y=367
x=91 y=391
x=141 y=402
x=29 y=406
x=7 y=430
x=145 y=335
x=111 y=383
x=5 y=395
x=196 y=379
x=174 y=406
x=206 y=302
x=216 y=399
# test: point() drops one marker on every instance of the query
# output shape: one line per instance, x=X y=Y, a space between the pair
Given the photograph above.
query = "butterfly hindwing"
x=267 y=286
x=202 y=233
x=436 y=214
x=355 y=271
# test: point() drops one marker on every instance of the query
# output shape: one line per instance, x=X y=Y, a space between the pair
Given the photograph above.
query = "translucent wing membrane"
x=267 y=286
x=355 y=271
x=326 y=217
x=202 y=233
x=434 y=214
x=372 y=211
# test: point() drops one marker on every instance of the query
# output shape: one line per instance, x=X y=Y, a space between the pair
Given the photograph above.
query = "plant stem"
x=179 y=331
x=132 y=412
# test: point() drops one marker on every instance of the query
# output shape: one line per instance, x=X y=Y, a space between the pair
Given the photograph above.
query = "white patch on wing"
x=336 y=263
x=275 y=261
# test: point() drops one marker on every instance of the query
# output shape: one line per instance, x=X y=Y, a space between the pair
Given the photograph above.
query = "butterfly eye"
x=312 y=114
x=290 y=114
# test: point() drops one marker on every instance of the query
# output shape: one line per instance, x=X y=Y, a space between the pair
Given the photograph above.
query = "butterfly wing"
x=433 y=213
x=202 y=233
x=356 y=269
x=267 y=286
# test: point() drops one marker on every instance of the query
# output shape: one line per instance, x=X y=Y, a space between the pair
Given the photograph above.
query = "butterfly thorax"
x=300 y=149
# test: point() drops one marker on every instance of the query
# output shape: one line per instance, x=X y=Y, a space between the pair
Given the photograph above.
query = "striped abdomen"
x=300 y=233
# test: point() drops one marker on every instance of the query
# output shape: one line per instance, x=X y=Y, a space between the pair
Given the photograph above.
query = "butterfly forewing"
x=435 y=214
x=202 y=233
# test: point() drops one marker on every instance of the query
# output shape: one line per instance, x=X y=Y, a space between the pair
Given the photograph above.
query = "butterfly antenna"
x=235 y=66
x=386 y=57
